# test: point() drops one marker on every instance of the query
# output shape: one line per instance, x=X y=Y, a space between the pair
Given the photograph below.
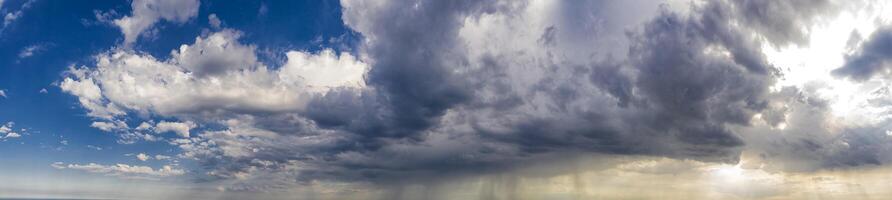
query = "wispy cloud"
x=11 y=17
x=32 y=50
x=123 y=170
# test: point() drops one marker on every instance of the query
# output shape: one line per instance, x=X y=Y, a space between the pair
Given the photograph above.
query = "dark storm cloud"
x=676 y=100
x=782 y=22
x=693 y=92
x=870 y=59
x=611 y=78
x=807 y=144
x=414 y=60
x=684 y=81
x=436 y=105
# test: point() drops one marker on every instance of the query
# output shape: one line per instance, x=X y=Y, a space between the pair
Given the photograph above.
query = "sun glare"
x=809 y=66
x=728 y=173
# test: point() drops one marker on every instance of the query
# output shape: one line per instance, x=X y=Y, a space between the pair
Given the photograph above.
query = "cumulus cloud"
x=214 y=21
x=199 y=87
x=443 y=88
x=89 y=95
x=109 y=126
x=3 y=93
x=6 y=128
x=180 y=128
x=127 y=135
x=11 y=17
x=218 y=53
x=142 y=157
x=7 y=131
x=556 y=101
x=162 y=157
x=123 y=170
x=12 y=135
x=194 y=81
x=325 y=70
x=145 y=13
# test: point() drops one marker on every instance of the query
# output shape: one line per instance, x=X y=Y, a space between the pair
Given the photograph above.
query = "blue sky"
x=428 y=99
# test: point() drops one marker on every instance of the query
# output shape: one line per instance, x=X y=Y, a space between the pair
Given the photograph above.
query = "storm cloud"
x=453 y=88
x=870 y=59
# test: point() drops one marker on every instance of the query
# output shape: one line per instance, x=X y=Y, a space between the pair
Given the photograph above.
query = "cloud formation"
x=142 y=157
x=182 y=85
x=7 y=131
x=180 y=128
x=145 y=13
x=451 y=88
x=214 y=21
x=31 y=50
x=870 y=59
x=12 y=16
x=123 y=170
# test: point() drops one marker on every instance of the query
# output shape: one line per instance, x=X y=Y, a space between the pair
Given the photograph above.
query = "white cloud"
x=127 y=135
x=162 y=157
x=324 y=70
x=180 y=128
x=123 y=170
x=214 y=21
x=7 y=129
x=12 y=135
x=89 y=95
x=144 y=126
x=10 y=17
x=43 y=91
x=142 y=157
x=109 y=126
x=231 y=80
x=30 y=51
x=148 y=12
x=216 y=54
x=3 y=93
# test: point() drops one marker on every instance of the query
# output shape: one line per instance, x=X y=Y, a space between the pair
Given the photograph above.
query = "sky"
x=427 y=99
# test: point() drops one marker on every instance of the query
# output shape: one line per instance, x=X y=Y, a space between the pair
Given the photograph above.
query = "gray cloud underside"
x=870 y=59
x=457 y=87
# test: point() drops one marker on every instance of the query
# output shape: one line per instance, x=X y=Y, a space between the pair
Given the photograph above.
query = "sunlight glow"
x=729 y=173
x=809 y=66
